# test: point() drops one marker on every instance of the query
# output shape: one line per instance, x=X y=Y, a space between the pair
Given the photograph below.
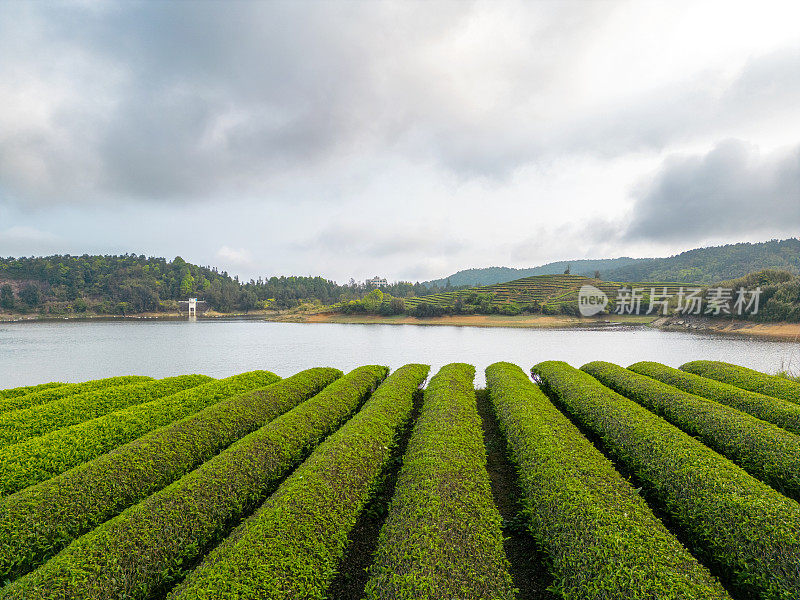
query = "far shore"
x=789 y=332
x=525 y=321
x=776 y=331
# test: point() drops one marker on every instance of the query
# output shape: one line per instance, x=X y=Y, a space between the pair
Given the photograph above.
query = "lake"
x=33 y=353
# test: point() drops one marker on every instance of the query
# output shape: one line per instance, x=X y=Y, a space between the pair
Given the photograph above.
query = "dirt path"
x=528 y=568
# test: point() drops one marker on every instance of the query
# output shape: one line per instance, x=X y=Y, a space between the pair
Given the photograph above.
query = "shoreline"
x=789 y=332
x=149 y=316
x=518 y=321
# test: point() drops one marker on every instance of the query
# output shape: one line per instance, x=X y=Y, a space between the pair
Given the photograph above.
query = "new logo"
x=591 y=300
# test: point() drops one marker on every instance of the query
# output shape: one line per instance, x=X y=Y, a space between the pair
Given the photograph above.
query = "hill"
x=130 y=284
x=549 y=294
x=779 y=299
x=701 y=265
x=492 y=275
x=718 y=263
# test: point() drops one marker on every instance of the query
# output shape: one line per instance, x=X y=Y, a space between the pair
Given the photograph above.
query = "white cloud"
x=238 y=257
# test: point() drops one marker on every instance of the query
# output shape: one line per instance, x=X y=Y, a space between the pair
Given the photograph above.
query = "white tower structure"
x=192 y=307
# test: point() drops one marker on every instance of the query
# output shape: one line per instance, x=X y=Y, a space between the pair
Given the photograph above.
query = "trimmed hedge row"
x=38 y=521
x=767 y=408
x=293 y=543
x=68 y=389
x=602 y=539
x=28 y=389
x=750 y=532
x=442 y=537
x=747 y=379
x=19 y=425
x=38 y=459
x=764 y=450
x=146 y=547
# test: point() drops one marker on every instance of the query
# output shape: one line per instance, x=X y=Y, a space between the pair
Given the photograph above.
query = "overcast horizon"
x=408 y=140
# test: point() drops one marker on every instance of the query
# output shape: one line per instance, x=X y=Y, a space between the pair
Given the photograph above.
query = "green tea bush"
x=68 y=389
x=39 y=520
x=747 y=379
x=37 y=459
x=147 y=546
x=602 y=539
x=741 y=526
x=764 y=450
x=782 y=413
x=28 y=389
x=291 y=546
x=442 y=537
x=18 y=425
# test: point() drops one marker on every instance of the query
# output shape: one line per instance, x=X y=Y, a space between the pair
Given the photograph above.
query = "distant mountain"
x=492 y=275
x=702 y=265
x=717 y=263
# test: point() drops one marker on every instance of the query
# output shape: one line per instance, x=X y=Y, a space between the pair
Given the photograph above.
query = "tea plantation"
x=603 y=482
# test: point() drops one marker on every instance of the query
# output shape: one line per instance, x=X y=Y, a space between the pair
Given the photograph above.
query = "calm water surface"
x=76 y=351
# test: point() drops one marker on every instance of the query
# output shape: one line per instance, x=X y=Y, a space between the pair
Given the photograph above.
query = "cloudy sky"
x=406 y=139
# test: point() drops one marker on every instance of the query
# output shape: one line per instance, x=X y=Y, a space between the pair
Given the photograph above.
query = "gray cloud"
x=517 y=124
x=153 y=101
x=732 y=189
x=378 y=242
x=688 y=110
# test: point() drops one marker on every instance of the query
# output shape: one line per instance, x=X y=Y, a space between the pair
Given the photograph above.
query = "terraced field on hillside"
x=544 y=290
x=645 y=482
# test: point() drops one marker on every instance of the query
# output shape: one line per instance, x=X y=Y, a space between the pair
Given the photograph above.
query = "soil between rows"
x=528 y=563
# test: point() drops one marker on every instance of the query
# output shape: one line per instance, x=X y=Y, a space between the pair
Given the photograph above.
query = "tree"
x=7 y=297
x=187 y=285
x=30 y=294
x=566 y=271
x=373 y=300
x=596 y=274
x=247 y=301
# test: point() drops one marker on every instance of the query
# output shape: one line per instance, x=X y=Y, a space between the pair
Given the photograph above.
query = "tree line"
x=130 y=284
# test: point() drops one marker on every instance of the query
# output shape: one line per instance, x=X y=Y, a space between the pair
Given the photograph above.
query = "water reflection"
x=71 y=351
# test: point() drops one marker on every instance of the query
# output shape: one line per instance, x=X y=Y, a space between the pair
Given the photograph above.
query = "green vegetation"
x=741 y=526
x=747 y=379
x=17 y=402
x=558 y=294
x=442 y=537
x=28 y=389
x=203 y=493
x=130 y=284
x=600 y=536
x=291 y=546
x=702 y=265
x=148 y=545
x=547 y=294
x=764 y=450
x=18 y=425
x=718 y=263
x=56 y=285
x=37 y=459
x=492 y=275
x=767 y=408
x=39 y=520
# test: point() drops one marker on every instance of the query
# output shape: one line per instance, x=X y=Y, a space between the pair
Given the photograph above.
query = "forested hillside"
x=129 y=284
x=702 y=265
x=492 y=275
x=707 y=265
